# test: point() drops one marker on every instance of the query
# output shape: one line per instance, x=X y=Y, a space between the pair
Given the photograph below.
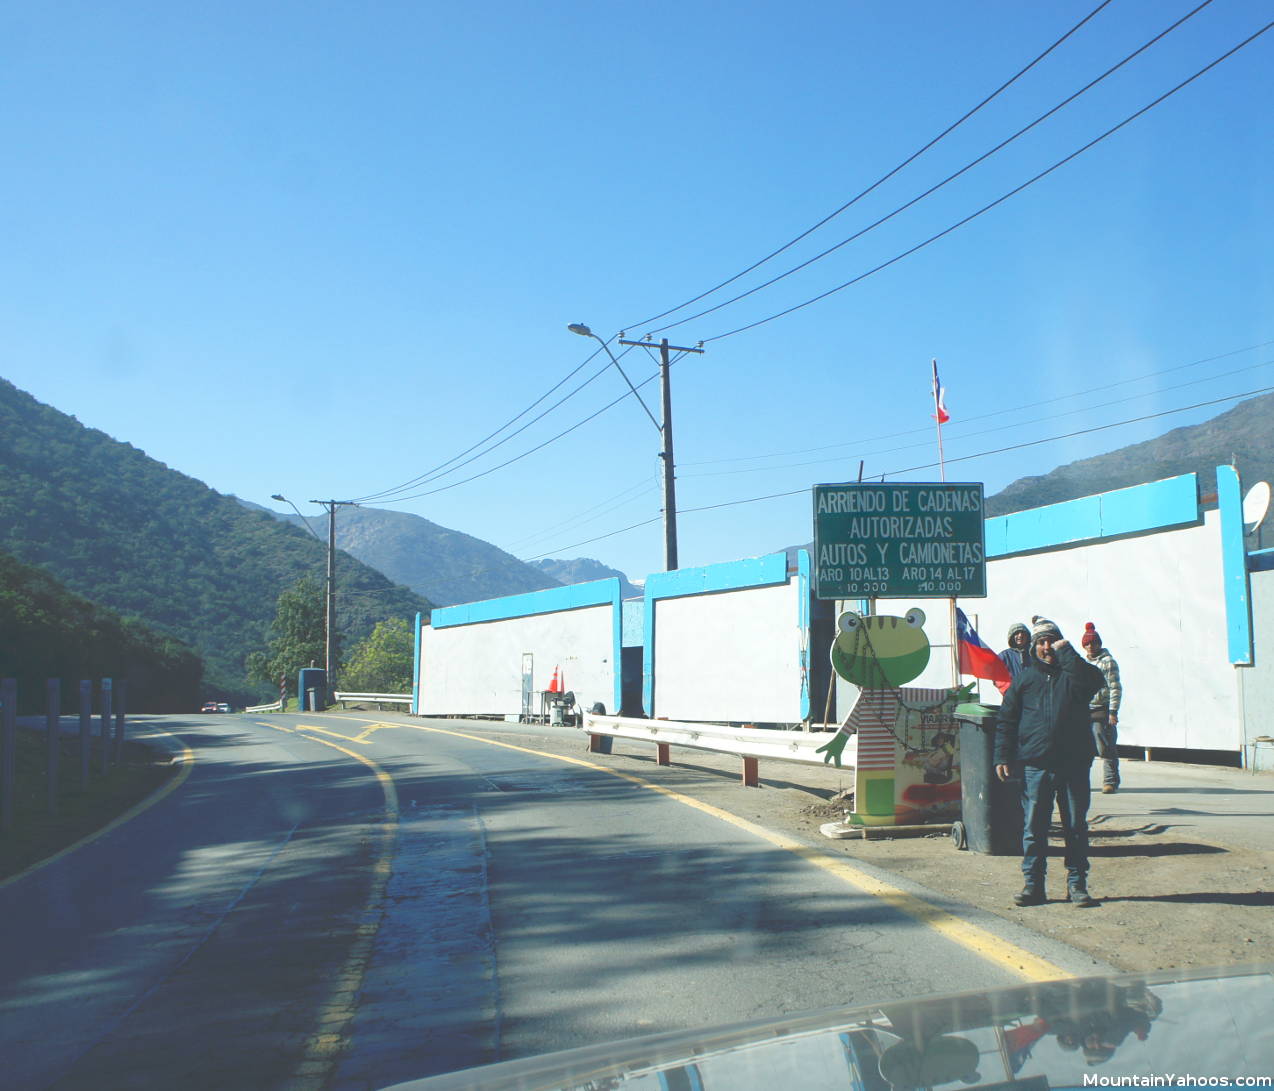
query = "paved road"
x=350 y=901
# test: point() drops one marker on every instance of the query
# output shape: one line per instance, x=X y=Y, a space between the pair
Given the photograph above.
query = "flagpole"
x=937 y=417
x=942 y=476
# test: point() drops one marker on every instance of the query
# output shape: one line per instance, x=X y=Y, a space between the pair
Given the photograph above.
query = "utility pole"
x=669 y=466
x=329 y=666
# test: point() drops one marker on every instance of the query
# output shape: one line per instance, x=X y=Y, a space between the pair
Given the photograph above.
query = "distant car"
x=223 y=707
x=210 y=706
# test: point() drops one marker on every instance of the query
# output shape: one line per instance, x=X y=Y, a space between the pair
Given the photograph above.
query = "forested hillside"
x=127 y=532
x=47 y=631
x=1242 y=435
x=446 y=566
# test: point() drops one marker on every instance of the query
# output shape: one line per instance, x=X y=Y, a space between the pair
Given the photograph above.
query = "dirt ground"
x=1167 y=900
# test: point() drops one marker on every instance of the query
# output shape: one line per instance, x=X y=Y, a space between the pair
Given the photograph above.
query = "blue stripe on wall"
x=548 y=601
x=1153 y=506
x=728 y=576
x=415 y=672
x=1238 y=613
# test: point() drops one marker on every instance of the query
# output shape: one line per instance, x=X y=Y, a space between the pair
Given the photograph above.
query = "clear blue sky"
x=321 y=249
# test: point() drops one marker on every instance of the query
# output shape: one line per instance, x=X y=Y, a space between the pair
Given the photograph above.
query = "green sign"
x=908 y=540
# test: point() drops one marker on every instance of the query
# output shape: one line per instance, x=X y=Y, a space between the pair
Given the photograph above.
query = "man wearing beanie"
x=1103 y=709
x=1044 y=729
x=1018 y=654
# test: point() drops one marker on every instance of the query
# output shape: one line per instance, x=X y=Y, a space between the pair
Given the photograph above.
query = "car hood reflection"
x=1174 y=1028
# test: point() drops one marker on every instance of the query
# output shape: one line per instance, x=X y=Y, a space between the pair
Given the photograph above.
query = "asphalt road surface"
x=353 y=900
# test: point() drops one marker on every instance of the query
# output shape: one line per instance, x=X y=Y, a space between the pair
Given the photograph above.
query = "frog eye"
x=915 y=618
x=848 y=621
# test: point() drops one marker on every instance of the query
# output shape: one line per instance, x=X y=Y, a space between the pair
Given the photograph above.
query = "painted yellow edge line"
x=187 y=762
x=978 y=940
x=327 y=1043
x=970 y=936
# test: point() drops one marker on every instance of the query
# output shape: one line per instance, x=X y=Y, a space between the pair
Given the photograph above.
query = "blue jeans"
x=1040 y=787
x=1106 y=737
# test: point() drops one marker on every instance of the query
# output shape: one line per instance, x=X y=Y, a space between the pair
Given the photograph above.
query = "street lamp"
x=665 y=429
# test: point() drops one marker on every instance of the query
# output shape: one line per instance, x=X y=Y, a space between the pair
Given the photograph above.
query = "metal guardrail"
x=384 y=698
x=750 y=743
x=276 y=707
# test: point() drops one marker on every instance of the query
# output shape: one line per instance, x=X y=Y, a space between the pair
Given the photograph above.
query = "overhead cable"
x=998 y=201
x=939 y=185
x=879 y=181
x=928 y=465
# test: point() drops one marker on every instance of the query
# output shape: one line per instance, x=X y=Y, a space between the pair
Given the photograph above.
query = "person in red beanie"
x=1104 y=708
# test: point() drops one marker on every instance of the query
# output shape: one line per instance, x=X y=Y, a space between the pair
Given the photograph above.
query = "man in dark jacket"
x=1044 y=728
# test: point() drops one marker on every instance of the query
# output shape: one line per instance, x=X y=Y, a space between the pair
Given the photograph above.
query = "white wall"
x=1159 y=605
x=729 y=655
x=468 y=670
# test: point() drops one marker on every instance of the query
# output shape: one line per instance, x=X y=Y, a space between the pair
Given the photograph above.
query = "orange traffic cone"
x=555 y=686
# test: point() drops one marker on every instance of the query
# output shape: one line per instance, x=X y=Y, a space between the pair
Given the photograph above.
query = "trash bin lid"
x=971 y=710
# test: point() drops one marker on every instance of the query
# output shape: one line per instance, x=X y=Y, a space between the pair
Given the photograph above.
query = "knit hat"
x=1041 y=626
x=1017 y=627
x=1091 y=636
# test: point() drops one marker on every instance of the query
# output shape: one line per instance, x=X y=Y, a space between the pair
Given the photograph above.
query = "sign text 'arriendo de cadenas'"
x=918 y=540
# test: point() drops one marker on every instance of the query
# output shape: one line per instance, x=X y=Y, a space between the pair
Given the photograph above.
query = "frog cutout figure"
x=907 y=766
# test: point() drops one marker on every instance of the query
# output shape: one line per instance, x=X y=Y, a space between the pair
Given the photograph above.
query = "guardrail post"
x=105 y=712
x=8 y=748
x=599 y=744
x=664 y=758
x=52 y=732
x=86 y=729
x=121 y=700
x=751 y=775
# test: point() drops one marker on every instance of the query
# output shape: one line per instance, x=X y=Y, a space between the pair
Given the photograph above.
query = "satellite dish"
x=1255 y=505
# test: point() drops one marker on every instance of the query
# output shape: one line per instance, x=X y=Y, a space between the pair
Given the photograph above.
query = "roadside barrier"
x=749 y=743
x=277 y=706
x=380 y=698
x=112 y=696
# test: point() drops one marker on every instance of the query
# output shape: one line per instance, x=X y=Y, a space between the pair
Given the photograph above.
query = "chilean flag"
x=939 y=398
x=976 y=658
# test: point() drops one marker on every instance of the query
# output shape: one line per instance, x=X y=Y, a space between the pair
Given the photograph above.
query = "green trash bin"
x=991 y=808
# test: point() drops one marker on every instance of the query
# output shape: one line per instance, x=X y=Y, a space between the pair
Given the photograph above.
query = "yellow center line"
x=979 y=940
x=330 y=1039
x=994 y=949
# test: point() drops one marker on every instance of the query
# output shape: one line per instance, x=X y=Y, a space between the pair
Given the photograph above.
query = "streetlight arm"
x=304 y=521
x=584 y=331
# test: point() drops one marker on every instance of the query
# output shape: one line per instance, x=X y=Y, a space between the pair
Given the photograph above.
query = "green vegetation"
x=35 y=833
x=130 y=534
x=298 y=641
x=48 y=632
x=383 y=662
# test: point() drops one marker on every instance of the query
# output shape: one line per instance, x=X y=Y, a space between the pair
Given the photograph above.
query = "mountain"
x=443 y=565
x=583 y=569
x=1243 y=435
x=128 y=533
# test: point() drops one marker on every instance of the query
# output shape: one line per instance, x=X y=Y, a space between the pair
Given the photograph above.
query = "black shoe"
x=1079 y=896
x=1030 y=895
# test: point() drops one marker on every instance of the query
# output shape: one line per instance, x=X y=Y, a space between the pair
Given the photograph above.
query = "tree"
x=298 y=640
x=382 y=662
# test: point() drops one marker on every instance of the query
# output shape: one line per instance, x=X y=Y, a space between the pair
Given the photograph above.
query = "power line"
x=879 y=181
x=998 y=201
x=939 y=185
x=930 y=465
x=994 y=413
x=442 y=465
x=1001 y=427
x=531 y=451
